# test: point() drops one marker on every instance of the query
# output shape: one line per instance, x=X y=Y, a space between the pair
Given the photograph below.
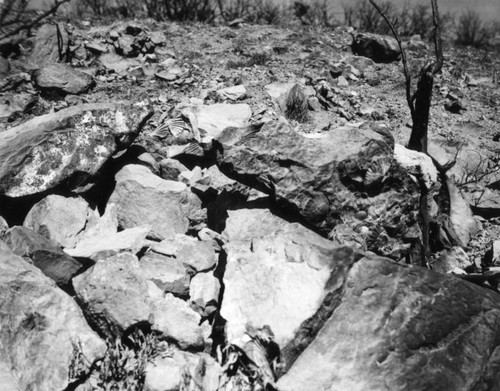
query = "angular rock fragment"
x=45 y=343
x=379 y=48
x=204 y=293
x=62 y=78
x=72 y=143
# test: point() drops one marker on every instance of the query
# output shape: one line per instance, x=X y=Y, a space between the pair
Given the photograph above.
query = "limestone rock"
x=45 y=342
x=62 y=78
x=196 y=254
x=402 y=328
x=271 y=261
x=114 y=294
x=60 y=219
x=174 y=319
x=168 y=273
x=377 y=47
x=328 y=178
x=57 y=147
x=233 y=93
x=171 y=169
x=193 y=371
x=44 y=254
x=104 y=246
x=204 y=293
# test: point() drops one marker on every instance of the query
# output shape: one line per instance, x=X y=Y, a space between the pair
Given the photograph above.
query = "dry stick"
x=409 y=97
x=37 y=20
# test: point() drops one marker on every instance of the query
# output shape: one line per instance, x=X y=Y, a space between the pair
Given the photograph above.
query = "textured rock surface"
x=204 y=293
x=347 y=175
x=168 y=273
x=62 y=78
x=461 y=218
x=52 y=148
x=44 y=254
x=403 y=328
x=114 y=294
x=138 y=192
x=278 y=274
x=175 y=320
x=42 y=330
x=60 y=219
x=377 y=47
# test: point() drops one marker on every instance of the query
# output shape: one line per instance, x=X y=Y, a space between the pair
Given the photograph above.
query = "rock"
x=417 y=164
x=328 y=178
x=143 y=198
x=158 y=38
x=196 y=254
x=204 y=293
x=233 y=93
x=213 y=119
x=182 y=369
x=127 y=47
x=114 y=294
x=171 y=169
x=272 y=261
x=116 y=63
x=4 y=226
x=342 y=82
x=38 y=155
x=62 y=78
x=168 y=273
x=190 y=177
x=44 y=254
x=96 y=47
x=103 y=246
x=377 y=47
x=175 y=320
x=4 y=66
x=452 y=259
x=45 y=343
x=13 y=106
x=454 y=106
x=461 y=217
x=60 y=219
x=496 y=253
x=401 y=328
x=49 y=39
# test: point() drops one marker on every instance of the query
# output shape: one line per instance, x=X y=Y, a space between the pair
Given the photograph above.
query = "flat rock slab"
x=401 y=328
x=50 y=149
x=62 y=78
x=327 y=179
x=42 y=330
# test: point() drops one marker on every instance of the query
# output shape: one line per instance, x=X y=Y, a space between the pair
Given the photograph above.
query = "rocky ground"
x=191 y=207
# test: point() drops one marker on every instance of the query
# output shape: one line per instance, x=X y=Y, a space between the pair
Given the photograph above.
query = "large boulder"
x=281 y=275
x=60 y=219
x=44 y=254
x=72 y=143
x=45 y=343
x=143 y=198
x=379 y=48
x=343 y=178
x=62 y=78
x=400 y=328
x=114 y=294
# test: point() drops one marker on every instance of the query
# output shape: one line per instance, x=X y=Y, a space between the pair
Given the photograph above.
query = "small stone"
x=233 y=93
x=342 y=81
x=204 y=293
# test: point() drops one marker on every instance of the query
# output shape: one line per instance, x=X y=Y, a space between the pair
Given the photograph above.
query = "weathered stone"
x=451 y=259
x=44 y=254
x=400 y=328
x=48 y=41
x=103 y=246
x=461 y=218
x=182 y=369
x=116 y=63
x=171 y=169
x=327 y=178
x=114 y=294
x=233 y=93
x=174 y=319
x=57 y=147
x=417 y=164
x=4 y=226
x=168 y=273
x=13 y=106
x=377 y=47
x=196 y=254
x=45 y=342
x=60 y=219
x=204 y=293
x=143 y=198
x=271 y=261
x=62 y=78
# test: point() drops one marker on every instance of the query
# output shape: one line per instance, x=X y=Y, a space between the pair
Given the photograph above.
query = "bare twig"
x=409 y=97
x=29 y=24
x=438 y=44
